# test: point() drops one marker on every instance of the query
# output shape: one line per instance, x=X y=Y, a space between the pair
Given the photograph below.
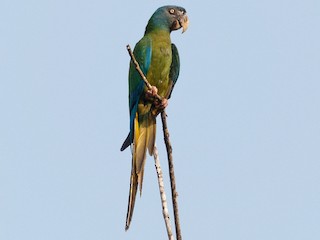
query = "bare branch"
x=140 y=71
x=172 y=176
x=163 y=197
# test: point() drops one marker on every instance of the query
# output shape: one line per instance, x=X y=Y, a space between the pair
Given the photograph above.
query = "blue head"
x=168 y=18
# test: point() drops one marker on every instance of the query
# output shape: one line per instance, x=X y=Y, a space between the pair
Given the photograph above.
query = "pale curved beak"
x=184 y=22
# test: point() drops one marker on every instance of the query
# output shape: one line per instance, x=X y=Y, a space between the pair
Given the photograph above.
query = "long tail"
x=144 y=138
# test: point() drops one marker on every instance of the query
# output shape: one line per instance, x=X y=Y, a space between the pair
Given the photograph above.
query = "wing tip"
x=126 y=143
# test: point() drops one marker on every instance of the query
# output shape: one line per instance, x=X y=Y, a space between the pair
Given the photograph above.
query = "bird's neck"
x=158 y=34
x=157 y=23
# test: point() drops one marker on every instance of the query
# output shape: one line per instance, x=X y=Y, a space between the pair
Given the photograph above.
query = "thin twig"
x=140 y=71
x=169 y=149
x=163 y=197
x=172 y=176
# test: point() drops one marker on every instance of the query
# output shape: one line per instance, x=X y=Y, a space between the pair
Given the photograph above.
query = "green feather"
x=159 y=60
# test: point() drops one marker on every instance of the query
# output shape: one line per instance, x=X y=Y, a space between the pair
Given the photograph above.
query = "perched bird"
x=159 y=61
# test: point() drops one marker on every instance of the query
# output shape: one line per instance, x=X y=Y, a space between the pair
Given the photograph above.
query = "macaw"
x=159 y=61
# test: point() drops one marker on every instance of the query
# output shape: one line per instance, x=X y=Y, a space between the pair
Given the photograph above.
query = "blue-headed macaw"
x=159 y=60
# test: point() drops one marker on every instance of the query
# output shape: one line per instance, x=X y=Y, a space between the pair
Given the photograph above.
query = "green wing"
x=142 y=53
x=175 y=68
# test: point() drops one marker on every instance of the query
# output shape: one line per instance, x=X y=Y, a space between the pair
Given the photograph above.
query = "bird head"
x=169 y=18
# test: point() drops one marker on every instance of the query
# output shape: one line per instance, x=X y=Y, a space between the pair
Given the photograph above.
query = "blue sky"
x=244 y=121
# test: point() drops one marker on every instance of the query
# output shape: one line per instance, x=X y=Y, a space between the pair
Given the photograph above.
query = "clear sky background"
x=244 y=120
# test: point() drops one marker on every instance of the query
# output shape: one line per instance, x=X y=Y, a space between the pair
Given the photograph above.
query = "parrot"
x=159 y=60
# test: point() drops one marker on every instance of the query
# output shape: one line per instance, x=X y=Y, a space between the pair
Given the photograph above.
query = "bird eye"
x=171 y=11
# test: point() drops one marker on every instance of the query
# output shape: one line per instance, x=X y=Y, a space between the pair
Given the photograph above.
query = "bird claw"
x=151 y=93
x=159 y=106
x=162 y=105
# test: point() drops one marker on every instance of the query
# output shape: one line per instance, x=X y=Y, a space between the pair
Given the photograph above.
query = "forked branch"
x=169 y=154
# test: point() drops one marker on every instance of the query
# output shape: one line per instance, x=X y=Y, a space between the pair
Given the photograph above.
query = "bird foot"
x=162 y=105
x=151 y=94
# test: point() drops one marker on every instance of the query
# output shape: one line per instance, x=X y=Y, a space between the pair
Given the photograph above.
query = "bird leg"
x=161 y=106
x=152 y=92
x=150 y=95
